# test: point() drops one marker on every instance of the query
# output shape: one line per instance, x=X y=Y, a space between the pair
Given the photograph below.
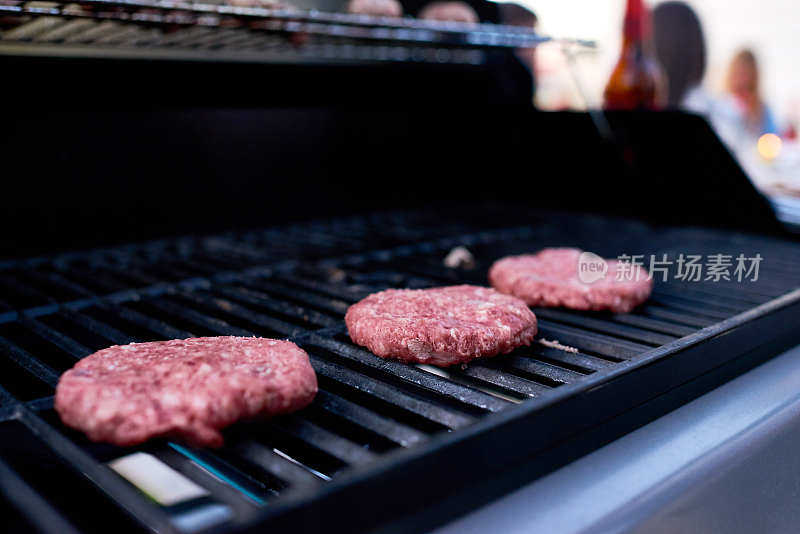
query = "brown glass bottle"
x=636 y=82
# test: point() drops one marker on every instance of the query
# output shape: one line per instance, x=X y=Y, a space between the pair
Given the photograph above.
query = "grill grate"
x=162 y=29
x=373 y=417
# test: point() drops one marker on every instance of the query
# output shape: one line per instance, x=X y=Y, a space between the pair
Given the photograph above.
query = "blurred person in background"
x=743 y=86
x=738 y=118
x=680 y=47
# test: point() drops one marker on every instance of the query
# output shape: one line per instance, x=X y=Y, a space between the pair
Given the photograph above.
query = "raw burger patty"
x=442 y=326
x=185 y=388
x=550 y=278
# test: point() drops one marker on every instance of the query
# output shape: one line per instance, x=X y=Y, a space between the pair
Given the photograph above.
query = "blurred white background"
x=770 y=27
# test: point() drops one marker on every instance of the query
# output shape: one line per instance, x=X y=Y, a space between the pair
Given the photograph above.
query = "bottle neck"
x=637 y=31
x=637 y=22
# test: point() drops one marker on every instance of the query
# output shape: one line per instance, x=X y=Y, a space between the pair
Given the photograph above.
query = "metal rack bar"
x=403 y=435
x=150 y=14
x=391 y=394
x=36 y=509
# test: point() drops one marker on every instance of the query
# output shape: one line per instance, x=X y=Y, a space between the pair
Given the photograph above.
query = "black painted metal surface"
x=382 y=439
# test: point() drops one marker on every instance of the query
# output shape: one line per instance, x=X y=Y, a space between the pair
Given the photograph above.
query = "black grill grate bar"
x=37 y=405
x=334 y=291
x=708 y=304
x=763 y=289
x=98 y=327
x=60 y=340
x=403 y=435
x=330 y=305
x=208 y=267
x=584 y=363
x=536 y=368
x=35 y=508
x=676 y=317
x=705 y=299
x=779 y=260
x=226 y=465
x=391 y=394
x=317 y=238
x=8 y=410
x=605 y=326
x=173 y=271
x=7 y=400
x=290 y=241
x=148 y=323
x=782 y=266
x=415 y=376
x=654 y=325
x=227 y=307
x=296 y=477
x=230 y=257
x=98 y=277
x=14 y=286
x=238 y=249
x=135 y=275
x=28 y=362
x=700 y=293
x=506 y=382
x=215 y=325
x=220 y=491
x=426 y=268
x=689 y=307
x=281 y=244
x=54 y=279
x=341 y=448
x=589 y=341
x=262 y=300
x=126 y=495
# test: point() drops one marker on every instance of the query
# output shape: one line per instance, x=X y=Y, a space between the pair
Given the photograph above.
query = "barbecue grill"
x=291 y=211
x=378 y=428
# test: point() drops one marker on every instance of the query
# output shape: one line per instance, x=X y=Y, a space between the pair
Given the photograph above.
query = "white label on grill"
x=156 y=479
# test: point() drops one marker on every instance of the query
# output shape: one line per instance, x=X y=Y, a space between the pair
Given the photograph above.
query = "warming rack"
x=210 y=30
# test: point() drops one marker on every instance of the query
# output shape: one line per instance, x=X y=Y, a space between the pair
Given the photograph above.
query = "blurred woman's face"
x=743 y=78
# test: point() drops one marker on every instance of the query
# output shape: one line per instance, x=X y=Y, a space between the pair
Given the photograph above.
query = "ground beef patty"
x=550 y=278
x=185 y=388
x=441 y=326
